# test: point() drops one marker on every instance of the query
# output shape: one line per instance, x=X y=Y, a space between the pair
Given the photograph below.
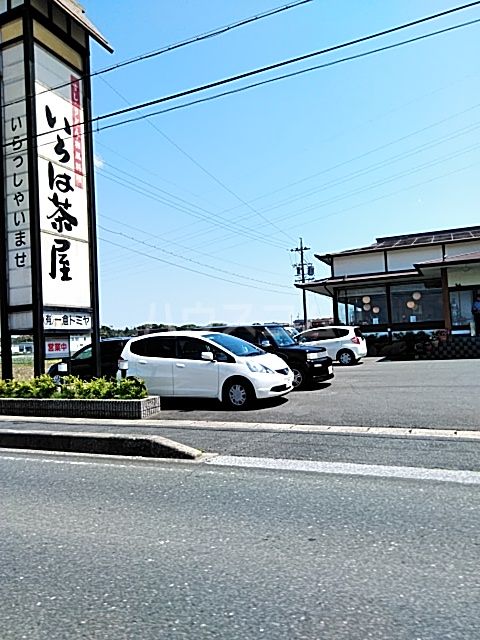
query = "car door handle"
x=180 y=365
x=142 y=362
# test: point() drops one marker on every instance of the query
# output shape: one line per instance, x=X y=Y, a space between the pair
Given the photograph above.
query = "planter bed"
x=61 y=408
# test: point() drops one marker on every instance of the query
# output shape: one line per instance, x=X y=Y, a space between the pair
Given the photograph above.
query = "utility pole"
x=300 y=267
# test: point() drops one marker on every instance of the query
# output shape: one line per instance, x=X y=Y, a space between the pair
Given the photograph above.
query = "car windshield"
x=237 y=346
x=281 y=337
x=83 y=354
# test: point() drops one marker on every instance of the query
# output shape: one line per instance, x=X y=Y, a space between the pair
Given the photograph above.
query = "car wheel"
x=346 y=357
x=299 y=376
x=237 y=394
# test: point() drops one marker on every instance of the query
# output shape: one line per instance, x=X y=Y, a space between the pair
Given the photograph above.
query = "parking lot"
x=423 y=394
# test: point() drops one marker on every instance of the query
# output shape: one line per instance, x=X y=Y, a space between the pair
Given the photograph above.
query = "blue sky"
x=382 y=145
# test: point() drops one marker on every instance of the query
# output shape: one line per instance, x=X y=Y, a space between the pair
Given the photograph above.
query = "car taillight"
x=355 y=340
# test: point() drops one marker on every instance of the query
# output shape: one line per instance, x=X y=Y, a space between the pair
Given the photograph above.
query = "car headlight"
x=256 y=367
x=315 y=355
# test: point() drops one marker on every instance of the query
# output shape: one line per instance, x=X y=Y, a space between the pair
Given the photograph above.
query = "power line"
x=201 y=264
x=283 y=63
x=182 y=246
x=177 y=45
x=207 y=172
x=361 y=172
x=207 y=216
x=260 y=83
x=361 y=156
x=97 y=119
x=347 y=195
x=179 y=266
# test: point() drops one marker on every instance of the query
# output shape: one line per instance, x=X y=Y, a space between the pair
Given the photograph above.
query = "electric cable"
x=183 y=43
x=207 y=172
x=179 y=266
x=201 y=264
x=223 y=94
x=96 y=119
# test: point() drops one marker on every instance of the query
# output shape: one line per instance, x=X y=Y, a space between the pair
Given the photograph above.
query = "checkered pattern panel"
x=456 y=347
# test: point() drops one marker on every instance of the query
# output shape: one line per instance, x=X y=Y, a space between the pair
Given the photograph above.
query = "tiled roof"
x=411 y=240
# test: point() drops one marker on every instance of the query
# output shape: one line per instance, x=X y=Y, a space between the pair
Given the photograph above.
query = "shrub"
x=73 y=388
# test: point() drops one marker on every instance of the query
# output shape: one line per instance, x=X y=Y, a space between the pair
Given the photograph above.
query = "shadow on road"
x=313 y=387
x=187 y=405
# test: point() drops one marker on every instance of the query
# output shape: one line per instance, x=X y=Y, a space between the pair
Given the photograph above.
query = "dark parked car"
x=81 y=363
x=309 y=364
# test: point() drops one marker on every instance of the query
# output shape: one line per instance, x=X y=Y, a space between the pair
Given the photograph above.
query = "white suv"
x=206 y=364
x=345 y=344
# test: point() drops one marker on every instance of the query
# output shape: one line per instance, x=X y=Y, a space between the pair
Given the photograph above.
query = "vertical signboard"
x=63 y=204
x=48 y=266
x=16 y=185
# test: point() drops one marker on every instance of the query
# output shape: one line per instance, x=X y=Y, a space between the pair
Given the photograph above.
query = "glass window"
x=192 y=348
x=154 y=347
x=235 y=345
x=414 y=302
x=84 y=354
x=243 y=333
x=367 y=305
x=461 y=307
x=310 y=336
x=280 y=336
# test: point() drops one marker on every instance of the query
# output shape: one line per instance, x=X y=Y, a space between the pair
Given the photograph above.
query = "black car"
x=309 y=364
x=81 y=363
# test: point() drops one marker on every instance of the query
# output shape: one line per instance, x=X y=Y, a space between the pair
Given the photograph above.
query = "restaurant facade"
x=406 y=283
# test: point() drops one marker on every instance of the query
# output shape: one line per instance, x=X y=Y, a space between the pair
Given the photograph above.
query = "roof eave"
x=74 y=11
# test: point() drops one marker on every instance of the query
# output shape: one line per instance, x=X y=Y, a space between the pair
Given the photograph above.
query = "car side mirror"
x=265 y=344
x=207 y=355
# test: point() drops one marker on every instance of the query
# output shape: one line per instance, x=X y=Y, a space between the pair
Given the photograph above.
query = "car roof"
x=178 y=334
x=255 y=325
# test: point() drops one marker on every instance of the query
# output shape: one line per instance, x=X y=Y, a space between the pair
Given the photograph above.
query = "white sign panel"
x=64 y=321
x=15 y=160
x=57 y=348
x=62 y=184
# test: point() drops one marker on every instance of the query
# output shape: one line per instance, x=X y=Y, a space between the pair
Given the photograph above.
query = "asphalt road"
x=98 y=550
x=423 y=394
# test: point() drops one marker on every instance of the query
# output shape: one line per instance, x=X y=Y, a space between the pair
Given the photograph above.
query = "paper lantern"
x=416 y=295
x=366 y=299
x=411 y=304
x=376 y=309
x=366 y=307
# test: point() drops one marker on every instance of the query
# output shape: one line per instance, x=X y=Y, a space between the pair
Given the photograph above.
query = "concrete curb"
x=95 y=443
x=450 y=433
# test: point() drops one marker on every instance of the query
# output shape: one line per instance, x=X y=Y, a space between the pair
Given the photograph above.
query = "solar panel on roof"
x=441 y=237
x=464 y=235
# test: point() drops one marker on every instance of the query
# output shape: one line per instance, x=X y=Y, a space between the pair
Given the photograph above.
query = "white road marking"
x=347 y=468
x=280 y=464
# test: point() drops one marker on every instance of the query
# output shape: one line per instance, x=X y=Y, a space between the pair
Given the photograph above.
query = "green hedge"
x=74 y=388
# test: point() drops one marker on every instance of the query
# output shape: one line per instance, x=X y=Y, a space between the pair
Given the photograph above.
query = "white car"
x=206 y=364
x=345 y=344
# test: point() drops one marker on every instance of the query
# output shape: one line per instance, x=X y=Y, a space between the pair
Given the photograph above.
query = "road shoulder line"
x=349 y=469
